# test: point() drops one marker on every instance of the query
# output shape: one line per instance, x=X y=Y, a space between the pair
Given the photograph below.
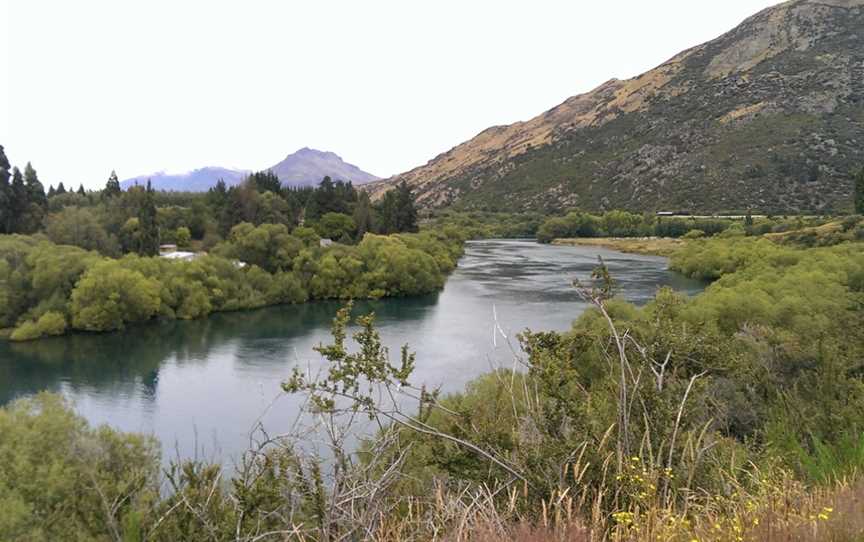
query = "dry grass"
x=657 y=246
x=778 y=510
x=821 y=230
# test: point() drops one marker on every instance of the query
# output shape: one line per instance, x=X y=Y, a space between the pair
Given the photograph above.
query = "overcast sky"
x=91 y=86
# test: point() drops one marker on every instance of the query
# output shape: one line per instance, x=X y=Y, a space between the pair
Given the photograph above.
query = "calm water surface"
x=202 y=385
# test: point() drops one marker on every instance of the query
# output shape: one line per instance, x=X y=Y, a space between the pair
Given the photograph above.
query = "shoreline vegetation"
x=51 y=289
x=652 y=246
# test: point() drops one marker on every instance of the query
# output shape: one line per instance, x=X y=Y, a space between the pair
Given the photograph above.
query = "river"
x=200 y=386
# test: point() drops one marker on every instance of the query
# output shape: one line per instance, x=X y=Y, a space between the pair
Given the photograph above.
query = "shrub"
x=50 y=323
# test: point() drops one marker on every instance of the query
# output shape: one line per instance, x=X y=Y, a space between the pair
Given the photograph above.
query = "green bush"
x=50 y=323
x=108 y=296
x=58 y=473
x=183 y=237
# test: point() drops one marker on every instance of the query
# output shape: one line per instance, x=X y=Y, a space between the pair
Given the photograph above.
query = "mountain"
x=198 y=180
x=307 y=167
x=768 y=116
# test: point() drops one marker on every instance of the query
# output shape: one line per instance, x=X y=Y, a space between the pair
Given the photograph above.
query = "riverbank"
x=653 y=246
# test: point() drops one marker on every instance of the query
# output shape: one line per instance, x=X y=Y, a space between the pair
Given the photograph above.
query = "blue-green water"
x=202 y=385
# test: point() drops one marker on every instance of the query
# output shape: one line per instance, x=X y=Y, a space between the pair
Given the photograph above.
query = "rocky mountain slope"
x=769 y=116
x=305 y=167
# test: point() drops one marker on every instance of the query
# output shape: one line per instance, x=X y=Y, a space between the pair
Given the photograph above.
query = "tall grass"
x=777 y=508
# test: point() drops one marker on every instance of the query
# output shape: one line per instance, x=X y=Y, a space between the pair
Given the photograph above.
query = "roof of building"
x=180 y=255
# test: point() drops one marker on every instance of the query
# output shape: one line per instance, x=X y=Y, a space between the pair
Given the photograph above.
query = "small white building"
x=325 y=242
x=180 y=255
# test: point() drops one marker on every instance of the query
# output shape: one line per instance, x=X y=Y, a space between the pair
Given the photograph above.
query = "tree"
x=183 y=237
x=4 y=166
x=335 y=226
x=60 y=189
x=363 y=215
x=859 y=192
x=35 y=204
x=18 y=202
x=78 y=227
x=35 y=190
x=109 y=295
x=265 y=181
x=387 y=211
x=406 y=213
x=81 y=190
x=271 y=208
x=112 y=187
x=5 y=192
x=217 y=197
x=396 y=211
x=148 y=227
x=269 y=246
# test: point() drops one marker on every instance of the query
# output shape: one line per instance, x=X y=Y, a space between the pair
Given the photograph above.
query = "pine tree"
x=217 y=197
x=388 y=212
x=60 y=189
x=4 y=167
x=35 y=202
x=35 y=190
x=232 y=211
x=265 y=181
x=406 y=212
x=5 y=192
x=112 y=187
x=148 y=228
x=363 y=215
x=859 y=192
x=51 y=191
x=81 y=190
x=18 y=202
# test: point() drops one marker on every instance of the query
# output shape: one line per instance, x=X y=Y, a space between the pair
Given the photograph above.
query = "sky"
x=150 y=85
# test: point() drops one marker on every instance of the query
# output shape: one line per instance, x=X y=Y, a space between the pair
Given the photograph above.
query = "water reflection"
x=218 y=375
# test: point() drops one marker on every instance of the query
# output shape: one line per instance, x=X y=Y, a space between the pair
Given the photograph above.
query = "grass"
x=658 y=246
x=775 y=509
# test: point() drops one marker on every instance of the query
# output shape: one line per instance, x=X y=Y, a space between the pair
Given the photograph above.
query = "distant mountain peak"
x=305 y=167
x=196 y=180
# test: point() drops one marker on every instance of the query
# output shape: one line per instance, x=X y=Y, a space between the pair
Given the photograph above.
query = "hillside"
x=305 y=167
x=769 y=116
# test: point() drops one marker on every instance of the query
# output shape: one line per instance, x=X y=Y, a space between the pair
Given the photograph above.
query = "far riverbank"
x=655 y=246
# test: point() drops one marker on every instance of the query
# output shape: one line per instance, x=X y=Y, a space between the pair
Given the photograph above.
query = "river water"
x=201 y=386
